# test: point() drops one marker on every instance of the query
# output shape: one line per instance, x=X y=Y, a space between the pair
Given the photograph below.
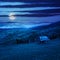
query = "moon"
x=12 y=16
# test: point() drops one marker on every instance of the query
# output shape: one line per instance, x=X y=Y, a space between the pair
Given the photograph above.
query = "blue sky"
x=30 y=12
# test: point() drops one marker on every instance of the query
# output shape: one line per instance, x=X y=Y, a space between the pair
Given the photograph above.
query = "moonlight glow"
x=11 y=16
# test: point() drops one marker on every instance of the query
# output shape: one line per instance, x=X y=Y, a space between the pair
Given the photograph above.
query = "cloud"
x=27 y=9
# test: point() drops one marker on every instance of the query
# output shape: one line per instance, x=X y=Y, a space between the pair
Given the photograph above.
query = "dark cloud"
x=54 y=1
x=31 y=8
x=30 y=5
x=34 y=15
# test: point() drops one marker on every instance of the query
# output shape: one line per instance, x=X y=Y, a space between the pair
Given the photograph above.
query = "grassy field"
x=32 y=51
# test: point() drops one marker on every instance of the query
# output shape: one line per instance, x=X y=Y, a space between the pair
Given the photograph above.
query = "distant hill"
x=52 y=30
x=14 y=36
x=56 y=24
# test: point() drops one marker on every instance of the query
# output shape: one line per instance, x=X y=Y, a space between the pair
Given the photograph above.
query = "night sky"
x=29 y=12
